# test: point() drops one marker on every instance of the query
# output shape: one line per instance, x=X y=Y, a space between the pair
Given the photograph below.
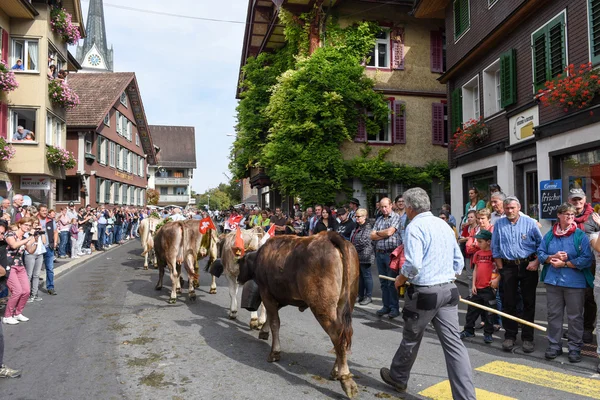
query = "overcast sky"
x=187 y=69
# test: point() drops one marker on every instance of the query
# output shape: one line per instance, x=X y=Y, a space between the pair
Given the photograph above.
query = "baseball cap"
x=341 y=211
x=71 y=204
x=576 y=193
x=484 y=234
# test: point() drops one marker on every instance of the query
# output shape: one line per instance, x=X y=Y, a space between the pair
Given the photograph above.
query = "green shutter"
x=98 y=146
x=98 y=186
x=556 y=46
x=461 y=17
x=456 y=109
x=594 y=24
x=540 y=58
x=508 y=78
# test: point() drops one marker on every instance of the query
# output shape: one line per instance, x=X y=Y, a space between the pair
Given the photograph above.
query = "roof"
x=98 y=93
x=177 y=145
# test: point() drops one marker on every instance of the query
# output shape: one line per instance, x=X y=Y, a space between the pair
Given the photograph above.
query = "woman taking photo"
x=361 y=239
x=326 y=223
x=34 y=261
x=474 y=203
x=17 y=282
x=567 y=257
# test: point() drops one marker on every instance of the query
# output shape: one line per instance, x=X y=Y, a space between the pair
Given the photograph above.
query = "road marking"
x=541 y=377
x=442 y=391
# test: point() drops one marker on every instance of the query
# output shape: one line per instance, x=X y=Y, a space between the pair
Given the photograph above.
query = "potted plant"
x=574 y=90
x=61 y=23
x=59 y=157
x=61 y=94
x=472 y=132
x=7 y=151
x=8 y=82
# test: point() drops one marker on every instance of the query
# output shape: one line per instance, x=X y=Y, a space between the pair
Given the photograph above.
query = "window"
x=461 y=18
x=594 y=30
x=99 y=190
x=124 y=194
x=124 y=99
x=135 y=164
x=137 y=139
x=88 y=146
x=129 y=126
x=56 y=59
x=491 y=3
x=129 y=161
x=25 y=50
x=111 y=154
x=164 y=190
x=118 y=119
x=116 y=189
x=59 y=127
x=125 y=159
x=104 y=152
x=392 y=130
x=180 y=191
x=491 y=89
x=178 y=174
x=384 y=134
x=141 y=168
x=68 y=189
x=26 y=119
x=470 y=100
x=107 y=119
x=54 y=130
x=131 y=198
x=119 y=158
x=124 y=125
x=107 y=187
x=549 y=53
x=379 y=57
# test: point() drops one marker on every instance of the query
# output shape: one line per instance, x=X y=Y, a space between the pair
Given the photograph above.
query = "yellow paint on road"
x=541 y=377
x=442 y=391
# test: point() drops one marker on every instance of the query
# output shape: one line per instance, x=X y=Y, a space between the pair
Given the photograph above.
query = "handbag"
x=40 y=248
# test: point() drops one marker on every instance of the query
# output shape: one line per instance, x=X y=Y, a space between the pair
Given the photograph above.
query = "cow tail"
x=180 y=254
x=345 y=338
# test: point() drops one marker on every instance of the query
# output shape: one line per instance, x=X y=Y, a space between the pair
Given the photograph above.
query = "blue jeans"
x=49 y=263
x=125 y=230
x=101 y=236
x=64 y=242
x=365 y=281
x=389 y=294
x=117 y=233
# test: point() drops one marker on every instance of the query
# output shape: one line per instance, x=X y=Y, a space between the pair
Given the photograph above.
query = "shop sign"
x=550 y=198
x=124 y=176
x=35 y=183
x=521 y=125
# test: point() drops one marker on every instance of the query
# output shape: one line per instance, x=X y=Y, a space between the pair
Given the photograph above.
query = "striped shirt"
x=382 y=223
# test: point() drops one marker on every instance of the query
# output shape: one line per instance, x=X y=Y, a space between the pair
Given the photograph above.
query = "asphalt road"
x=109 y=335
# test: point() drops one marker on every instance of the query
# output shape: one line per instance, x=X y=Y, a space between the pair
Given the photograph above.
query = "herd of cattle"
x=319 y=272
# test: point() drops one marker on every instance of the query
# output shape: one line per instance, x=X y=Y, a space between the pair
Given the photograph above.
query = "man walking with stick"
x=433 y=259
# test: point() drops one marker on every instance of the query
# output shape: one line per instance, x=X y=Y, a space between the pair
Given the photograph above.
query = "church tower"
x=94 y=55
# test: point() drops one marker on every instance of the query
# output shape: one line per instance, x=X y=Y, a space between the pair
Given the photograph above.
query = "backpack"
x=577 y=239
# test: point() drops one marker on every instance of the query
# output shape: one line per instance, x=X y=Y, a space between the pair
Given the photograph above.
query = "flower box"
x=472 y=132
x=61 y=23
x=8 y=82
x=62 y=95
x=59 y=157
x=573 y=90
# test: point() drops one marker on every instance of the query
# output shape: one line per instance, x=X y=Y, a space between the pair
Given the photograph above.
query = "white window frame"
x=566 y=43
x=123 y=99
x=137 y=139
x=471 y=99
x=58 y=131
x=141 y=167
x=492 y=103
x=12 y=125
x=491 y=3
x=14 y=56
x=389 y=126
x=49 y=130
x=129 y=161
x=124 y=126
x=129 y=130
x=107 y=119
x=387 y=43
x=59 y=60
x=118 y=121
x=88 y=146
x=104 y=152
x=112 y=153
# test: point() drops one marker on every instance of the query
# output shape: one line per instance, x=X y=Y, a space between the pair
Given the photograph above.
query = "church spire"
x=94 y=54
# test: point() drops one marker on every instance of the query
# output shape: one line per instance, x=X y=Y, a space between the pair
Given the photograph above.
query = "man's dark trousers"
x=512 y=275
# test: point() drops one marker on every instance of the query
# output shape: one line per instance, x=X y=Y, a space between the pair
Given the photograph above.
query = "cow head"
x=247 y=265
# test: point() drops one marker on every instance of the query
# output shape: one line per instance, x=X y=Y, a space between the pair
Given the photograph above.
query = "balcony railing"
x=172 y=181
x=173 y=198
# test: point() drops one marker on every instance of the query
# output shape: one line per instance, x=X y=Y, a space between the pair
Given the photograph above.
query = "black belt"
x=519 y=261
x=384 y=251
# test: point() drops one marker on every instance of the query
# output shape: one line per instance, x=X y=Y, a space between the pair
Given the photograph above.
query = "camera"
x=38 y=232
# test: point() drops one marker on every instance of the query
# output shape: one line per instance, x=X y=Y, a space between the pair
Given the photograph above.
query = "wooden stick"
x=488 y=309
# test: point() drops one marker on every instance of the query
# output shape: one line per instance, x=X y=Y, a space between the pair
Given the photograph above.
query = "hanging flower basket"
x=59 y=157
x=8 y=83
x=573 y=90
x=7 y=151
x=61 y=94
x=472 y=132
x=61 y=23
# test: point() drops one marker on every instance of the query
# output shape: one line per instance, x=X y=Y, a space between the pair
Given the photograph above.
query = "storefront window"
x=582 y=170
x=68 y=189
x=481 y=182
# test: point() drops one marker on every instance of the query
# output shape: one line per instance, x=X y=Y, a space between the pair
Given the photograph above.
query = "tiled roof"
x=177 y=145
x=97 y=93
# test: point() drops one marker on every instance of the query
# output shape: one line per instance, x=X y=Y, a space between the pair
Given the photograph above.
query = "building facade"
x=500 y=55
x=176 y=160
x=405 y=63
x=27 y=35
x=110 y=136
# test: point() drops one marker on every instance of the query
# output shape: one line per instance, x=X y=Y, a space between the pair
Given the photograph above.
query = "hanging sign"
x=550 y=198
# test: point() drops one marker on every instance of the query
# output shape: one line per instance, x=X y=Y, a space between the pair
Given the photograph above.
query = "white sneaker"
x=74 y=257
x=81 y=254
x=37 y=298
x=10 y=320
x=21 y=318
x=30 y=299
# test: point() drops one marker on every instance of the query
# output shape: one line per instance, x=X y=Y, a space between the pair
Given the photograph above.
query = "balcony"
x=166 y=199
x=172 y=181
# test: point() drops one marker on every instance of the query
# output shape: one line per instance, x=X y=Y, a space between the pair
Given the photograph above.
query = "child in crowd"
x=485 y=283
x=74 y=232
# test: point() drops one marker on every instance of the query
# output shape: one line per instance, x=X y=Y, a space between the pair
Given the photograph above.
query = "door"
x=531 y=205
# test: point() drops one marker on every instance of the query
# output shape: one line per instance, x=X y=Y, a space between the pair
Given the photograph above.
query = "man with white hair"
x=17 y=207
x=177 y=215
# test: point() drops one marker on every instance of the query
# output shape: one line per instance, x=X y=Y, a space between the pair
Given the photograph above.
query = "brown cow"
x=177 y=243
x=319 y=272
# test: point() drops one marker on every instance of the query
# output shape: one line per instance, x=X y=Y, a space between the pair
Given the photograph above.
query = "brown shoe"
x=528 y=346
x=385 y=375
x=508 y=344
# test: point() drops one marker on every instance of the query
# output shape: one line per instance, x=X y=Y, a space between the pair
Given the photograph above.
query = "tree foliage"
x=222 y=197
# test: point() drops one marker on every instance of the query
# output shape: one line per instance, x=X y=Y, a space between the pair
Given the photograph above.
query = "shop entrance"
x=526 y=182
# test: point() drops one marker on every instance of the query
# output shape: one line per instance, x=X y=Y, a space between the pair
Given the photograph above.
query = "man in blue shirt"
x=433 y=259
x=515 y=241
x=19 y=65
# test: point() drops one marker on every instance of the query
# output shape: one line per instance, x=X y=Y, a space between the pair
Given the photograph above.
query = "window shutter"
x=508 y=78
x=5 y=47
x=118 y=157
x=540 y=58
x=107 y=192
x=437 y=123
x=98 y=186
x=461 y=17
x=436 y=49
x=594 y=13
x=556 y=46
x=99 y=147
x=398 y=48
x=361 y=134
x=456 y=109
x=399 y=133
x=4 y=120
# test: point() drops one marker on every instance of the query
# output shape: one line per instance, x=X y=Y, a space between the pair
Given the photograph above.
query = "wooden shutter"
x=3 y=120
x=556 y=46
x=456 y=109
x=399 y=131
x=594 y=24
x=98 y=147
x=361 y=134
x=461 y=17
x=98 y=186
x=436 y=50
x=437 y=123
x=540 y=57
x=107 y=192
x=5 y=42
x=508 y=78
x=397 y=48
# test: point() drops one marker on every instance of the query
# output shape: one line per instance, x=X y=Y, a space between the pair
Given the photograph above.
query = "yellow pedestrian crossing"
x=536 y=376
